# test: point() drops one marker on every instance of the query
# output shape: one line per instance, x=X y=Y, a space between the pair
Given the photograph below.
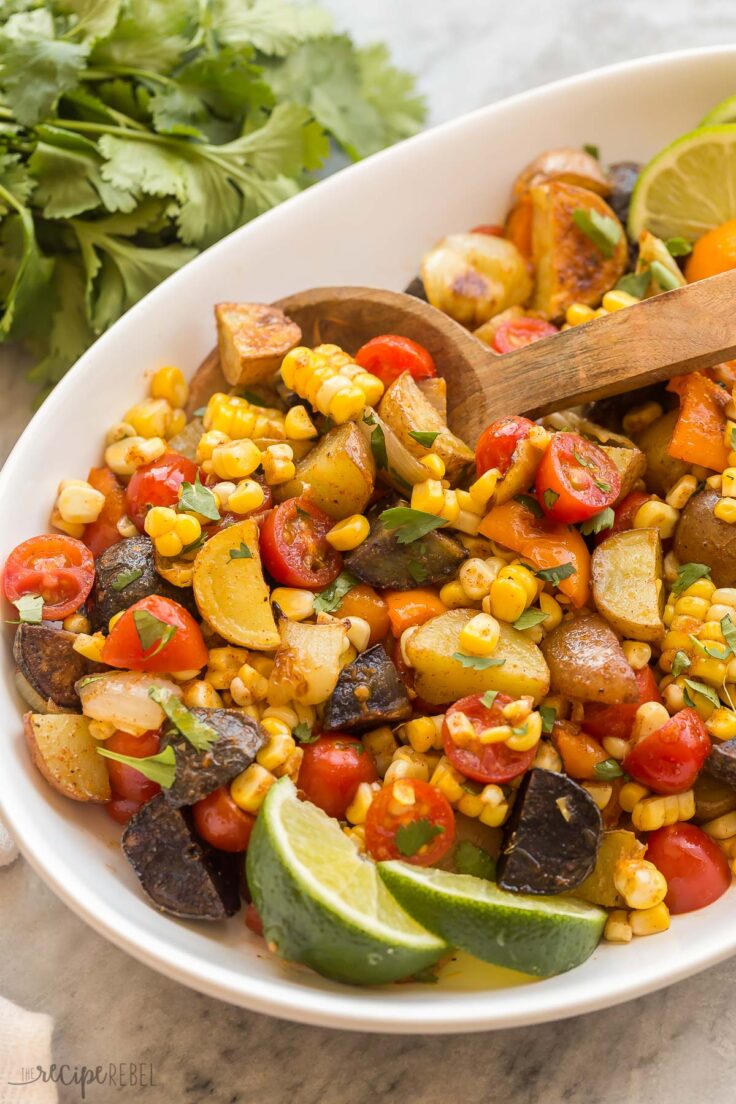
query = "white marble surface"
x=673 y=1047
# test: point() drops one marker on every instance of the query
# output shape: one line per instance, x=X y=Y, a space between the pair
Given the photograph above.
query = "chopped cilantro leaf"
x=607 y=770
x=125 y=578
x=599 y=522
x=687 y=574
x=412 y=837
x=555 y=575
x=198 y=499
x=330 y=598
x=425 y=437
x=478 y=663
x=159 y=768
x=152 y=632
x=469 y=858
x=529 y=618
x=603 y=231
x=242 y=553
x=549 y=716
x=410 y=525
x=200 y=735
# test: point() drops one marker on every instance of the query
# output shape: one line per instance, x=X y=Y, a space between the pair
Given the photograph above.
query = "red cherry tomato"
x=102 y=534
x=601 y=720
x=575 y=479
x=496 y=444
x=220 y=822
x=491 y=228
x=518 y=332
x=293 y=545
x=624 y=515
x=59 y=569
x=387 y=827
x=253 y=919
x=669 y=760
x=332 y=769
x=484 y=762
x=389 y=355
x=139 y=643
x=696 y=869
x=126 y=782
x=157 y=484
x=121 y=809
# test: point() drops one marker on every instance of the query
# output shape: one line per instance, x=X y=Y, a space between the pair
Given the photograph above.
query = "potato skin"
x=253 y=339
x=625 y=569
x=340 y=471
x=471 y=277
x=405 y=409
x=572 y=166
x=587 y=662
x=47 y=660
x=65 y=754
x=701 y=537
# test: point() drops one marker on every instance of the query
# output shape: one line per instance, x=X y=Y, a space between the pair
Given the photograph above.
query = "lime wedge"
x=537 y=935
x=688 y=188
x=724 y=112
x=323 y=904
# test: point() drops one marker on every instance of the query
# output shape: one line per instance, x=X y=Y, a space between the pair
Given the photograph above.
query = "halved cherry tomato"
x=618 y=720
x=157 y=484
x=59 y=569
x=253 y=919
x=294 y=548
x=496 y=444
x=221 y=823
x=518 y=332
x=669 y=760
x=696 y=869
x=363 y=601
x=146 y=643
x=580 y=753
x=388 y=355
x=126 y=782
x=624 y=515
x=387 y=826
x=484 y=762
x=332 y=769
x=575 y=479
x=103 y=533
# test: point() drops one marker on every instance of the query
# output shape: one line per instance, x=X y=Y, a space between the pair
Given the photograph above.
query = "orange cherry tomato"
x=412 y=607
x=332 y=769
x=484 y=762
x=420 y=833
x=102 y=534
x=155 y=634
x=125 y=781
x=579 y=752
x=696 y=870
x=518 y=332
x=221 y=823
x=294 y=548
x=389 y=355
x=496 y=444
x=157 y=484
x=57 y=568
x=618 y=720
x=669 y=760
x=575 y=479
x=713 y=253
x=363 y=601
x=491 y=228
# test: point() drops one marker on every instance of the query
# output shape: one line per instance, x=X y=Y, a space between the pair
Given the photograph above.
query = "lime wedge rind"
x=724 y=112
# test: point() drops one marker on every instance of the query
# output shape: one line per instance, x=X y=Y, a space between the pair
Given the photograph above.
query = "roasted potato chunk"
x=253 y=339
x=569 y=165
x=662 y=470
x=586 y=662
x=471 y=277
x=65 y=753
x=703 y=538
x=340 y=472
x=569 y=266
x=630 y=463
x=627 y=583
x=405 y=409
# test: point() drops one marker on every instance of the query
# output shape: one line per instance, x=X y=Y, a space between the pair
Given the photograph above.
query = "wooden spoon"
x=680 y=331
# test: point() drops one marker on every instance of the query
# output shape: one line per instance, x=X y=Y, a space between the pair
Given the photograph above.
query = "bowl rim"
x=352 y=1009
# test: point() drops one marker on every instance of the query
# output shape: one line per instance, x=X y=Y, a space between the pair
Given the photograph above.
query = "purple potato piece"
x=198 y=773
x=368 y=693
x=47 y=661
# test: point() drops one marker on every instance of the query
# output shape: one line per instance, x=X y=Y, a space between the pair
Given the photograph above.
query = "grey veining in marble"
x=673 y=1047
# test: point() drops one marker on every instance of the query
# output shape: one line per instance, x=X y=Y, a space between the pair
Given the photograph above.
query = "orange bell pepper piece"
x=543 y=543
x=580 y=753
x=411 y=607
x=698 y=436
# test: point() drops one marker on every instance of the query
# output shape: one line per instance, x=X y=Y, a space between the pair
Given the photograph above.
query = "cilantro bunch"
x=134 y=133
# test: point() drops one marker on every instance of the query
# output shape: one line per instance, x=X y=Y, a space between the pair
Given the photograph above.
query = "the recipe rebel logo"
x=113 y=1075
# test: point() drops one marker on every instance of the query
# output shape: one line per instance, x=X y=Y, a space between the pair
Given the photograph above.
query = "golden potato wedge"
x=338 y=474
x=569 y=165
x=586 y=662
x=663 y=470
x=253 y=339
x=630 y=463
x=435 y=392
x=627 y=583
x=569 y=266
x=572 y=422
x=441 y=678
x=471 y=277
x=520 y=476
x=231 y=594
x=405 y=410
x=65 y=753
x=599 y=887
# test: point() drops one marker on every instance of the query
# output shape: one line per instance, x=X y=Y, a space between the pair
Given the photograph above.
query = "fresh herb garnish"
x=330 y=598
x=521 y=730
x=603 y=486
x=242 y=553
x=700 y=688
x=603 y=231
x=200 y=735
x=30 y=609
x=489 y=698
x=592 y=150
x=662 y=275
x=378 y=441
x=529 y=503
x=680 y=663
x=198 y=499
x=549 y=716
x=550 y=497
x=425 y=437
x=710 y=648
x=304 y=734
x=635 y=283
x=607 y=770
x=554 y=575
x=417 y=571
x=152 y=631
x=599 y=522
x=477 y=663
x=678 y=247
x=159 y=768
x=413 y=836
x=728 y=628
x=583 y=461
x=469 y=858
x=529 y=618
x=687 y=574
x=410 y=525
x=125 y=578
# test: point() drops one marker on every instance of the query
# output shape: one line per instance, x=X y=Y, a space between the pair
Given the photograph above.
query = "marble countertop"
x=672 y=1047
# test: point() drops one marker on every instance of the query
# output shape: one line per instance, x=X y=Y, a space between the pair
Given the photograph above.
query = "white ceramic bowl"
x=368 y=225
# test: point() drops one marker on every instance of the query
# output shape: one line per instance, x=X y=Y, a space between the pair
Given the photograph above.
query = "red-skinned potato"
x=572 y=166
x=587 y=662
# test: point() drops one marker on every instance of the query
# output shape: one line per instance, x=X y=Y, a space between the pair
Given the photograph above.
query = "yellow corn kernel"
x=484 y=488
x=199 y=694
x=114 y=620
x=90 y=646
x=691 y=606
x=407 y=763
x=298 y=426
x=249 y=686
x=601 y=792
x=149 y=418
x=639 y=882
x=650 y=921
x=276 y=751
x=454 y=597
x=428 y=496
x=278 y=464
x=159 y=520
x=615 y=747
x=169 y=383
x=637 y=654
x=370 y=385
x=671 y=568
x=295 y=604
x=639 y=417
x=68 y=527
x=630 y=794
x=421 y=732
x=508 y=599
x=448 y=781
x=528 y=736
x=250 y=787
x=618 y=928
x=578 y=313
x=381 y=743
x=476 y=577
x=722 y=724
x=728 y=483
x=359 y=633
x=101 y=730
x=402 y=797
x=118 y=431
x=207 y=444
x=349 y=533
x=495 y=806
x=683 y=490
x=655 y=812
x=357 y=810
x=238 y=418
x=617 y=300
x=78 y=502
x=523 y=576
x=553 y=610
x=480 y=635
x=126 y=456
x=169 y=544
x=236 y=459
x=187 y=528
x=247 y=496
x=711 y=630
x=673 y=697
x=175 y=423
x=434 y=464
x=725 y=510
x=722 y=827
x=649 y=718
x=76 y=623
x=547 y=757
x=347 y=403
x=655 y=514
x=223 y=665
x=710 y=670
x=460 y=728
x=724 y=596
